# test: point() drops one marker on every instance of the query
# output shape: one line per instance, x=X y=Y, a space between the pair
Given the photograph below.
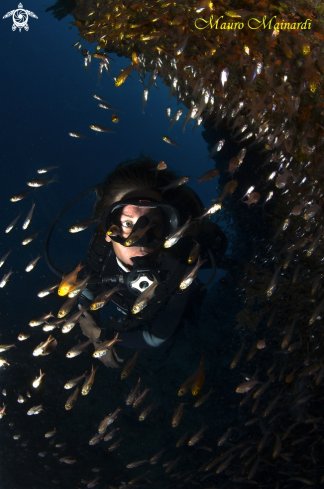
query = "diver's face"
x=130 y=214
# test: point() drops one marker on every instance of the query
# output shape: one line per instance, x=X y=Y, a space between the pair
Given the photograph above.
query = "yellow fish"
x=199 y=379
x=69 y=281
x=123 y=75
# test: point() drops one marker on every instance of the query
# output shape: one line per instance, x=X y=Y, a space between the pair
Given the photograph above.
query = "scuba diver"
x=144 y=255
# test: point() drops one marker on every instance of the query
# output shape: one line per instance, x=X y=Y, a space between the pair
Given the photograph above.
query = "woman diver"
x=131 y=254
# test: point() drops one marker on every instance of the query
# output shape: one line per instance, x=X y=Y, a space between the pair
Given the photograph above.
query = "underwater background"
x=266 y=298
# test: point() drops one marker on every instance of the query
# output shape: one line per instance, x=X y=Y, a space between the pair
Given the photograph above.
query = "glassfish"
x=104 y=347
x=69 y=281
x=73 y=382
x=32 y=264
x=82 y=225
x=211 y=210
x=129 y=366
x=38 y=380
x=29 y=217
x=138 y=234
x=113 y=231
x=49 y=434
x=203 y=398
x=97 y=128
x=67 y=306
x=123 y=75
x=146 y=411
x=45 y=169
x=40 y=182
x=88 y=383
x=174 y=237
x=178 y=413
x=194 y=253
x=108 y=107
x=195 y=438
x=4 y=257
x=78 y=135
x=78 y=287
x=229 y=189
x=5 y=278
x=20 y=196
x=133 y=393
x=199 y=380
x=247 y=386
x=72 y=399
x=78 y=349
x=6 y=347
x=46 y=347
x=175 y=118
x=144 y=99
x=140 y=398
x=170 y=141
x=25 y=335
x=108 y=420
x=72 y=321
x=132 y=465
x=174 y=184
x=238 y=356
x=194 y=380
x=47 y=291
x=12 y=224
x=110 y=434
x=218 y=146
x=190 y=276
x=144 y=298
x=35 y=410
x=208 y=176
x=103 y=298
x=31 y=237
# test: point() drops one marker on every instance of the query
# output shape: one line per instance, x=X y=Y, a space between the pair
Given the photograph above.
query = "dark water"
x=46 y=92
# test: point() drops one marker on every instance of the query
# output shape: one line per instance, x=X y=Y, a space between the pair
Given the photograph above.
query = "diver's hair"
x=139 y=174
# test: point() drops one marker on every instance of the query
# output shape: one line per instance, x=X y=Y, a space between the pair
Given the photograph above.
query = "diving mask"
x=158 y=224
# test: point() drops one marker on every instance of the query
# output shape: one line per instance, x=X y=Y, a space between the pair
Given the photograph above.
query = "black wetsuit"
x=159 y=320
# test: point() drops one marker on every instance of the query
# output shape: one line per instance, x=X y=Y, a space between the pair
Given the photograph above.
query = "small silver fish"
x=5 y=278
x=35 y=410
x=78 y=135
x=45 y=169
x=82 y=225
x=72 y=399
x=174 y=237
x=97 y=128
x=73 y=382
x=47 y=291
x=32 y=264
x=144 y=298
x=12 y=224
x=190 y=276
x=144 y=99
x=29 y=217
x=40 y=182
x=4 y=257
x=31 y=237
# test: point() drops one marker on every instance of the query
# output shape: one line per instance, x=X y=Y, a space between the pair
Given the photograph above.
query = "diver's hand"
x=89 y=327
x=110 y=358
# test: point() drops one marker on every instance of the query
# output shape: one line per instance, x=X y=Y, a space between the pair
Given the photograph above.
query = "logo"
x=20 y=18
